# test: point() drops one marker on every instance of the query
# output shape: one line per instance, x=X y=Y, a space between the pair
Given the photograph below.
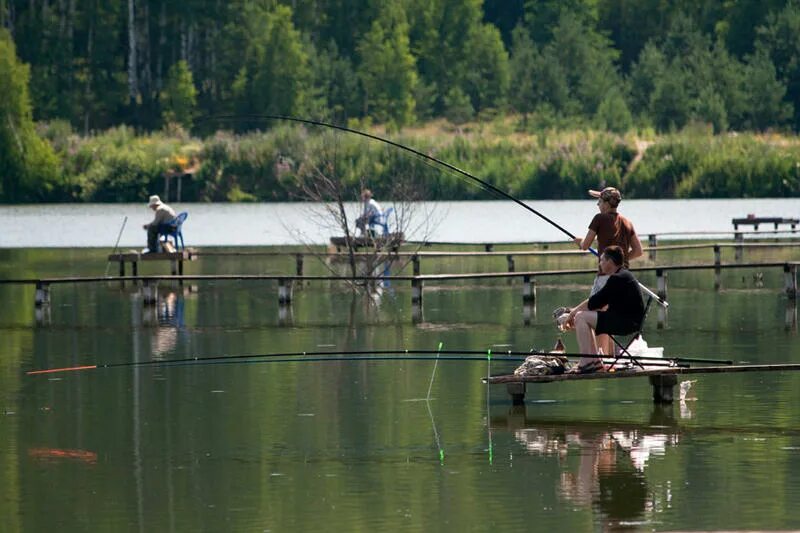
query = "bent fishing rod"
x=370 y=355
x=483 y=184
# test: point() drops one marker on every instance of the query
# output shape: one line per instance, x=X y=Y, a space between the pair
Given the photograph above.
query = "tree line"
x=612 y=65
x=617 y=63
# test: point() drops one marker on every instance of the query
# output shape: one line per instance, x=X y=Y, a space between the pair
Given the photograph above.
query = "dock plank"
x=648 y=371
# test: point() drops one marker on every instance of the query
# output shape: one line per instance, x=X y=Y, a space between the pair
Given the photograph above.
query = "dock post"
x=738 y=237
x=285 y=315
x=149 y=292
x=488 y=246
x=298 y=261
x=790 y=280
x=652 y=243
x=42 y=294
x=662 y=317
x=284 y=291
x=510 y=262
x=791 y=315
x=173 y=267
x=416 y=291
x=42 y=315
x=122 y=268
x=134 y=268
x=517 y=392
x=663 y=387
x=717 y=270
x=528 y=290
x=415 y=263
x=661 y=281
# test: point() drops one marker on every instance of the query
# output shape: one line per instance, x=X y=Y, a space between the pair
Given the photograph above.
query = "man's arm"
x=636 y=248
x=587 y=241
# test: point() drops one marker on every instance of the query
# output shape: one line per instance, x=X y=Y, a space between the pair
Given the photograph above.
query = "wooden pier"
x=175 y=259
x=755 y=221
x=663 y=380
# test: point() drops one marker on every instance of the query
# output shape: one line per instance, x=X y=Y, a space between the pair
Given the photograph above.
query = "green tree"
x=275 y=77
x=669 y=102
x=765 y=104
x=613 y=113
x=488 y=75
x=440 y=31
x=28 y=169
x=524 y=57
x=779 y=38
x=645 y=73
x=387 y=69
x=179 y=98
x=587 y=58
x=457 y=107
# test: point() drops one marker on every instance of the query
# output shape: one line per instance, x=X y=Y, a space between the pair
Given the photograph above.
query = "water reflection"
x=602 y=463
x=167 y=315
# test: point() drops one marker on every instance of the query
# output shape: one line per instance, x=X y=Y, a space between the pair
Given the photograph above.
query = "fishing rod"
x=364 y=355
x=281 y=359
x=484 y=184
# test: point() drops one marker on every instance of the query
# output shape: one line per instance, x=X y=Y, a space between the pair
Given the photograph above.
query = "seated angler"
x=164 y=214
x=622 y=317
x=371 y=212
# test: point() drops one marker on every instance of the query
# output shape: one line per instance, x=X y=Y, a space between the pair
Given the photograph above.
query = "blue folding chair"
x=173 y=229
x=382 y=221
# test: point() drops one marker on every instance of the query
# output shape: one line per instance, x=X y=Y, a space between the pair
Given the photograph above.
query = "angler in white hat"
x=164 y=214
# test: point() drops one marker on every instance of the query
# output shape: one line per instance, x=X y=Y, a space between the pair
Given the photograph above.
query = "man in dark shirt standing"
x=623 y=315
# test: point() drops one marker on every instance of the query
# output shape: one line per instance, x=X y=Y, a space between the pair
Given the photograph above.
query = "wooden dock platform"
x=133 y=257
x=663 y=379
x=389 y=241
x=755 y=221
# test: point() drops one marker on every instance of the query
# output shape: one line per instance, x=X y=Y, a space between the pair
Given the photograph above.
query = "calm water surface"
x=99 y=225
x=354 y=445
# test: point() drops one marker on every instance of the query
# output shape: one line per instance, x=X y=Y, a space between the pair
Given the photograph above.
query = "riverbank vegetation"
x=540 y=97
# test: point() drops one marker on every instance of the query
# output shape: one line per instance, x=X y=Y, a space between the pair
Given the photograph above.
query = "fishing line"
x=430 y=385
x=108 y=263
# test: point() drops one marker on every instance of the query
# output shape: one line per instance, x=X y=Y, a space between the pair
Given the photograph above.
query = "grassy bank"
x=118 y=165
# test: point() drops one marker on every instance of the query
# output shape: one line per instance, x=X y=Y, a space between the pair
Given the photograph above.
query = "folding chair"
x=623 y=350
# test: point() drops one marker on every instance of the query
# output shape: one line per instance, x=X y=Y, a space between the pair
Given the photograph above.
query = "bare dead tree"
x=331 y=207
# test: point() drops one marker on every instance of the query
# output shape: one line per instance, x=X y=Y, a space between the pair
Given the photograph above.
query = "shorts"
x=610 y=323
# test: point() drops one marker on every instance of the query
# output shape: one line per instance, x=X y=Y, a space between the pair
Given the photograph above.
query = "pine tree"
x=179 y=97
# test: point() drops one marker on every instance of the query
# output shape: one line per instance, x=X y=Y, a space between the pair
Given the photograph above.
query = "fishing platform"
x=175 y=259
x=754 y=221
x=663 y=379
x=388 y=241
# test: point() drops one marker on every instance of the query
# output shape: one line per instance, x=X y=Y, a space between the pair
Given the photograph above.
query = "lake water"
x=99 y=225
x=359 y=445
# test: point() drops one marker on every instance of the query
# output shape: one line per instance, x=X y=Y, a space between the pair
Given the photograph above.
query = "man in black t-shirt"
x=623 y=315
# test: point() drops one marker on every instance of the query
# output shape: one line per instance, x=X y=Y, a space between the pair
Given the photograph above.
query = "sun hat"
x=154 y=200
x=609 y=194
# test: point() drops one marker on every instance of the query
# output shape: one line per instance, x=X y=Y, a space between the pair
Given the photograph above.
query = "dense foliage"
x=600 y=65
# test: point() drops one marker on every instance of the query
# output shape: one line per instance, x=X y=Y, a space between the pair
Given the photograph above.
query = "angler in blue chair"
x=163 y=215
x=371 y=215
